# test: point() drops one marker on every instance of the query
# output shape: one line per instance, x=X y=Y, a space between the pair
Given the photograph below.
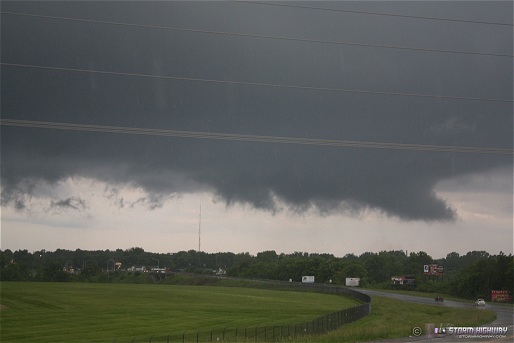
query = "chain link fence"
x=277 y=333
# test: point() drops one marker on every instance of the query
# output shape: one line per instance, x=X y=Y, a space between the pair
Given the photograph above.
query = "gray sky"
x=346 y=76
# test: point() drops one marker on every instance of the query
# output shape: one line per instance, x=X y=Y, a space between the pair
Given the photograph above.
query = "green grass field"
x=77 y=312
x=80 y=312
x=391 y=318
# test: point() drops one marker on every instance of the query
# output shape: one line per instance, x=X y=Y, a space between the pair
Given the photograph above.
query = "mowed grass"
x=392 y=318
x=78 y=312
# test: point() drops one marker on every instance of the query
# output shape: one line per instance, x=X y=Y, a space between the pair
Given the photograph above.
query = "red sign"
x=433 y=269
x=501 y=296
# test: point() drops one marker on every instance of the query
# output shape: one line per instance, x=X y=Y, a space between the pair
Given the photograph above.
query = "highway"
x=504 y=318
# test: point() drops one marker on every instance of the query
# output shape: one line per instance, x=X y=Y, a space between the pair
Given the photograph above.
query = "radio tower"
x=199 y=227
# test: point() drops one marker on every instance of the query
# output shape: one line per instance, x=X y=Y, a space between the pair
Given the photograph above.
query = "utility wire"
x=252 y=138
x=257 y=84
x=248 y=35
x=377 y=13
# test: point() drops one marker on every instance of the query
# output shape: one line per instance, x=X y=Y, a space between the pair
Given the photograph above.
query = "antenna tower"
x=199 y=228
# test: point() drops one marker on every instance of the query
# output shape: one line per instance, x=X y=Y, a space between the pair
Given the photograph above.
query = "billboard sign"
x=409 y=281
x=308 y=279
x=352 y=281
x=403 y=281
x=433 y=269
x=501 y=296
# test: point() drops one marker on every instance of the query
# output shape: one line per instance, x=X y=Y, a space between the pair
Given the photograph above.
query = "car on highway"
x=439 y=299
x=480 y=302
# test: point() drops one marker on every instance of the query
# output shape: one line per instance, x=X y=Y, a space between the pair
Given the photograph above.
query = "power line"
x=257 y=84
x=252 y=138
x=378 y=13
x=249 y=35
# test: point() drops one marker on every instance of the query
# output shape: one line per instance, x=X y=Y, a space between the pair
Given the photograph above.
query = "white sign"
x=352 y=281
x=308 y=279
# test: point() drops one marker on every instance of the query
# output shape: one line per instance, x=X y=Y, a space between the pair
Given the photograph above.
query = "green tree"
x=483 y=276
x=452 y=262
x=90 y=272
x=6 y=257
x=267 y=256
x=13 y=272
x=350 y=269
x=416 y=262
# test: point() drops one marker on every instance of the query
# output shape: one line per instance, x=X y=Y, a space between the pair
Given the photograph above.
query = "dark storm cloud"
x=151 y=202
x=19 y=205
x=396 y=182
x=113 y=194
x=73 y=203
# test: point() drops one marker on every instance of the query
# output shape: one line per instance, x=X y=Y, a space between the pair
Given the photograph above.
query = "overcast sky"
x=303 y=80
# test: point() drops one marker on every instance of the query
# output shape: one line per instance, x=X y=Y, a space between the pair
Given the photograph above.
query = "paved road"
x=504 y=318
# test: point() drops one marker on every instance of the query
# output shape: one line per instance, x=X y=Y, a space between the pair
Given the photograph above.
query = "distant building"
x=220 y=272
x=158 y=270
x=403 y=281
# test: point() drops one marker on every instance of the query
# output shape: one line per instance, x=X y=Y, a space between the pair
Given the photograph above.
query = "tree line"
x=471 y=275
